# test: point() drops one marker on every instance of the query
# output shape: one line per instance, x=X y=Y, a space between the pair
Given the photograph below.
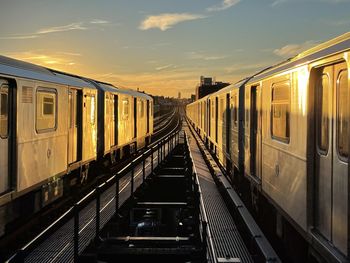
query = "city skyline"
x=163 y=47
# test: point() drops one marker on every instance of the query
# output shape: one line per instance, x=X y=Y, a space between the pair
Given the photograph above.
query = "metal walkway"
x=227 y=241
x=68 y=241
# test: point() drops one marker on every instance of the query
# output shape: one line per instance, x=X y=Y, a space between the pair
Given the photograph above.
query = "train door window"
x=142 y=109
x=4 y=111
x=280 y=107
x=235 y=111
x=322 y=114
x=70 y=110
x=212 y=109
x=342 y=115
x=46 y=108
x=221 y=109
x=92 y=113
x=125 y=109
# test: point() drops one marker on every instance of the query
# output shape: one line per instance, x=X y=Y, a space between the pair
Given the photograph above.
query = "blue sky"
x=164 y=46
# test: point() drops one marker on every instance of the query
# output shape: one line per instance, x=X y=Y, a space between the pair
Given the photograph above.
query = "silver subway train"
x=54 y=127
x=283 y=136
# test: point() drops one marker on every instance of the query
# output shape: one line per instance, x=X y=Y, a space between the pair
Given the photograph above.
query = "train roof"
x=17 y=68
x=75 y=81
x=328 y=48
x=135 y=93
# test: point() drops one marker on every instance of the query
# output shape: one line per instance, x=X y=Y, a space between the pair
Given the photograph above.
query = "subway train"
x=55 y=128
x=283 y=137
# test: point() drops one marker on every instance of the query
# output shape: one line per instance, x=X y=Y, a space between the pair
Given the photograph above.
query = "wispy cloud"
x=19 y=37
x=245 y=69
x=99 y=21
x=56 y=29
x=165 y=67
x=167 y=20
x=278 y=2
x=60 y=60
x=203 y=56
x=293 y=49
x=70 y=27
x=224 y=5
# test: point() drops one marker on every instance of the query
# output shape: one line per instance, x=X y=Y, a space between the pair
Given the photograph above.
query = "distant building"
x=179 y=96
x=207 y=86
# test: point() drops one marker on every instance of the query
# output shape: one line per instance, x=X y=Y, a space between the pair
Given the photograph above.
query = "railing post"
x=98 y=208
x=132 y=179
x=116 y=194
x=158 y=153
x=76 y=232
x=152 y=160
x=143 y=168
x=204 y=226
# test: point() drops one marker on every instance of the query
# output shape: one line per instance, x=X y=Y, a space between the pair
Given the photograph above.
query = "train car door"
x=228 y=123
x=147 y=121
x=4 y=136
x=112 y=119
x=74 y=125
x=331 y=152
x=116 y=121
x=209 y=117
x=135 y=117
x=255 y=132
x=216 y=118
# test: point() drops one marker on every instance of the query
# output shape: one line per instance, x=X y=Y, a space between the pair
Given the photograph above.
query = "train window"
x=92 y=113
x=212 y=109
x=70 y=110
x=151 y=108
x=322 y=118
x=221 y=109
x=142 y=110
x=280 y=107
x=235 y=111
x=342 y=114
x=4 y=111
x=125 y=109
x=46 y=107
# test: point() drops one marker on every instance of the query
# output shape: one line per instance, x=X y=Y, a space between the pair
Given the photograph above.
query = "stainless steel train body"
x=293 y=141
x=50 y=129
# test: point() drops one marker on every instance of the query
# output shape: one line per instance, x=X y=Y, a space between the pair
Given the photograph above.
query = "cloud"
x=60 y=60
x=277 y=2
x=224 y=5
x=19 y=37
x=99 y=21
x=202 y=56
x=245 y=69
x=291 y=50
x=165 y=67
x=70 y=27
x=166 y=21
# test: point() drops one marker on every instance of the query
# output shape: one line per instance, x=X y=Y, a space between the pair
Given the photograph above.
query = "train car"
x=48 y=127
x=300 y=154
x=293 y=149
x=126 y=121
x=54 y=127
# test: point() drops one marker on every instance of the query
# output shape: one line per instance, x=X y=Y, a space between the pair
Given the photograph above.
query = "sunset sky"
x=164 y=46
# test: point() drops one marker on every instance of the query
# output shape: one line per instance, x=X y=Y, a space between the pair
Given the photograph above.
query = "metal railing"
x=206 y=236
x=163 y=147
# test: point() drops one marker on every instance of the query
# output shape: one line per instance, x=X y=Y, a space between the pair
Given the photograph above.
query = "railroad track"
x=39 y=222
